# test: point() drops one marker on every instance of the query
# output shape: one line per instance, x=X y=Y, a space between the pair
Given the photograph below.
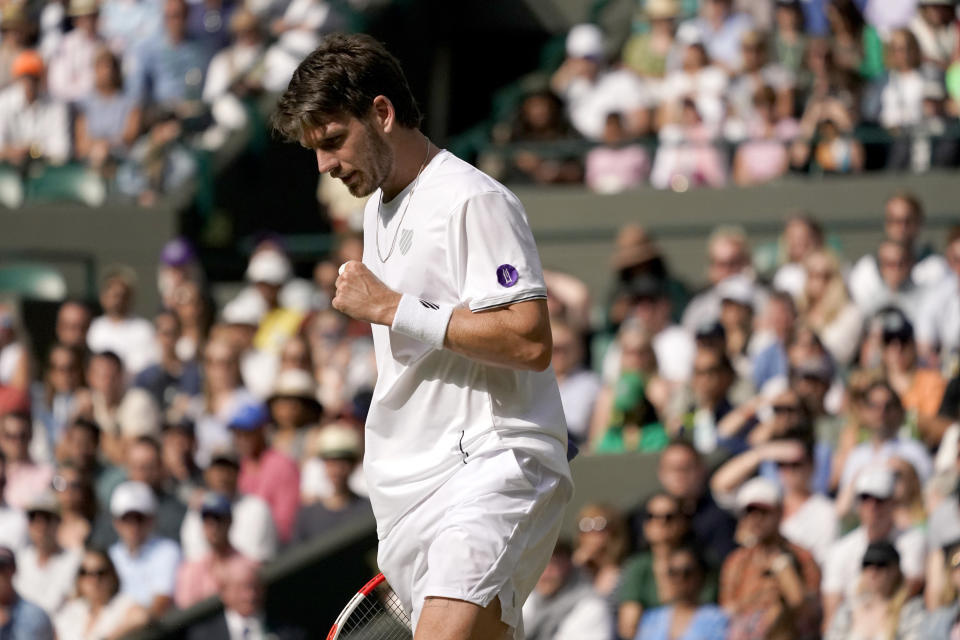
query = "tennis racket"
x=374 y=613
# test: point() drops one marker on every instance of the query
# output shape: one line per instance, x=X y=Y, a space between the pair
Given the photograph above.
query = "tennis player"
x=465 y=438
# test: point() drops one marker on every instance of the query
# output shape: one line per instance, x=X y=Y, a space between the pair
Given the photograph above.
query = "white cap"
x=269 y=266
x=132 y=496
x=876 y=482
x=138 y=414
x=758 y=491
x=247 y=308
x=739 y=289
x=585 y=41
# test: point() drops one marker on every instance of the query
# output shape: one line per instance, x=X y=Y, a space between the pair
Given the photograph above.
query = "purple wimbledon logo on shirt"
x=507 y=275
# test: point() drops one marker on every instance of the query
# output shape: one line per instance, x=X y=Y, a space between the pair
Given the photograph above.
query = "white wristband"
x=422 y=320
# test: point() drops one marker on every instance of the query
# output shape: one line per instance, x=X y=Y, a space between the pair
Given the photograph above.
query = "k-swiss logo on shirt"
x=430 y=305
x=406 y=240
x=507 y=275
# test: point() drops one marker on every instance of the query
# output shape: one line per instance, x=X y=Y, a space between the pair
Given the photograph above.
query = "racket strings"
x=379 y=616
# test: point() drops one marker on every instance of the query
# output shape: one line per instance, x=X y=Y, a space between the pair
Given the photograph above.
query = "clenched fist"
x=362 y=296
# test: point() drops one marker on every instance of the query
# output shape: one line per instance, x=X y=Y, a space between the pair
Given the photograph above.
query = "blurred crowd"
x=803 y=410
x=102 y=98
x=742 y=91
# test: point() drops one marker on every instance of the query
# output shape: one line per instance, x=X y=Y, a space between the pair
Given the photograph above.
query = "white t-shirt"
x=131 y=338
x=841 y=571
x=813 y=526
x=464 y=240
x=47 y=586
x=252 y=532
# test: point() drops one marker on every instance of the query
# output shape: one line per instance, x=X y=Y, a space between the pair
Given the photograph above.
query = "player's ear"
x=384 y=113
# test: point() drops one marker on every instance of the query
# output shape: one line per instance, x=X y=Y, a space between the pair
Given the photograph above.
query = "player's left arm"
x=514 y=335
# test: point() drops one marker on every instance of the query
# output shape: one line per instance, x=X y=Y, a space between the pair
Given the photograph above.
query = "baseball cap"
x=585 y=41
x=43 y=502
x=271 y=267
x=758 y=491
x=249 y=417
x=177 y=252
x=130 y=497
x=738 y=289
x=7 y=557
x=880 y=553
x=215 y=504
x=27 y=63
x=876 y=482
x=338 y=441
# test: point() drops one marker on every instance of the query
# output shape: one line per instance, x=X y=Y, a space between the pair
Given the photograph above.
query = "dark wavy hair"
x=342 y=77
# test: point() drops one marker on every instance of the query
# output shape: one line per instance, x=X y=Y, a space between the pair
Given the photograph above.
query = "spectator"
x=769 y=586
x=601 y=546
x=13 y=524
x=178 y=450
x=147 y=564
x=264 y=471
x=642 y=587
x=682 y=473
x=223 y=395
x=34 y=128
x=99 y=609
x=883 y=605
x=652 y=53
x=81 y=449
x=687 y=616
x=591 y=90
x=563 y=604
x=26 y=478
x=71 y=74
x=252 y=531
x=243 y=616
x=720 y=30
x=21 y=619
x=883 y=416
x=339 y=448
x=841 y=570
x=77 y=506
x=45 y=570
x=728 y=254
x=109 y=119
x=201 y=577
x=809 y=520
x=169 y=69
x=579 y=386
x=73 y=322
x=617 y=165
x=53 y=401
x=826 y=308
x=118 y=329
x=293 y=406
x=170 y=378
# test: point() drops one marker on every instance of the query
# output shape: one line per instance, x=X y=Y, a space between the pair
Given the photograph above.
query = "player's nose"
x=326 y=161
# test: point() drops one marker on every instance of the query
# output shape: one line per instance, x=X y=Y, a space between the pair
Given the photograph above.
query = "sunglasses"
x=599 y=523
x=102 y=572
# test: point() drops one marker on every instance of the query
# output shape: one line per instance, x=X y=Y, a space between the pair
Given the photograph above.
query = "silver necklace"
x=402 y=215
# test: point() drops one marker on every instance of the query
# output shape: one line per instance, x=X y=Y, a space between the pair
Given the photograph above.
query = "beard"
x=377 y=159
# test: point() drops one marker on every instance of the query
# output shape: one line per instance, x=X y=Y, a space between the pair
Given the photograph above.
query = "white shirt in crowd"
x=252 y=533
x=466 y=243
x=813 y=526
x=151 y=572
x=48 y=586
x=74 y=619
x=131 y=338
x=43 y=124
x=841 y=571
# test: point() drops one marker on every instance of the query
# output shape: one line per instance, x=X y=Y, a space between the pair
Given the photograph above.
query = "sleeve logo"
x=507 y=275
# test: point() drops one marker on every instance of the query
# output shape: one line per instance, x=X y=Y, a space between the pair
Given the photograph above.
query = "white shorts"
x=488 y=531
